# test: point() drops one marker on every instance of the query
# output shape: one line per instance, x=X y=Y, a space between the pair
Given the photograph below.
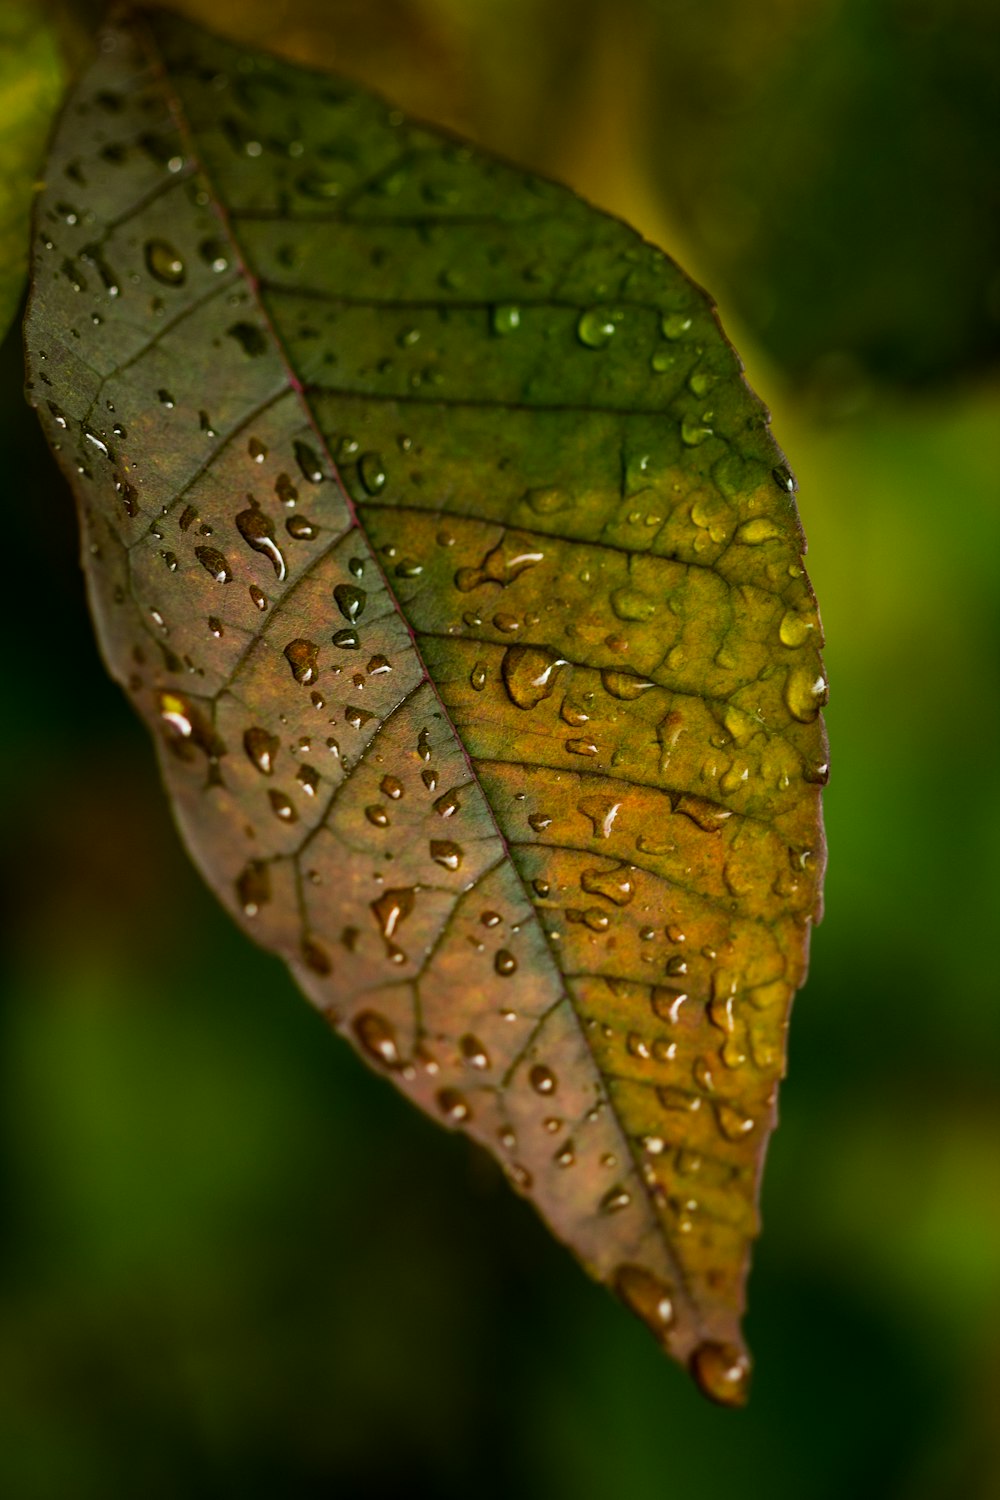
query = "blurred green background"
x=236 y=1264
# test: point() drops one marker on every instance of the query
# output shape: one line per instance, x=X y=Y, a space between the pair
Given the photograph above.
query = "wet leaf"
x=431 y=527
x=31 y=82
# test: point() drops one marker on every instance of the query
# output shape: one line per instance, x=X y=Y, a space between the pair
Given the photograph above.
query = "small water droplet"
x=390 y=911
x=453 y=1106
x=350 y=601
x=542 y=1079
x=301 y=656
x=446 y=853
x=300 y=529
x=213 y=561
x=547 y=500
x=693 y=433
x=759 y=529
x=308 y=778
x=675 y=325
x=262 y=747
x=164 y=263
x=722 y=1373
x=283 y=807
x=735 y=1125
x=615 y=1199
x=447 y=804
x=377 y=815
x=166 y=399
x=477 y=677
x=347 y=640
x=647 y=1296
x=253 y=887
x=616 y=884
x=505 y=963
x=505 y=318
x=784 y=478
x=474 y=1052
x=623 y=684
x=308 y=461
x=371 y=471
x=257 y=597
x=595 y=328
x=378 y=1038
x=632 y=604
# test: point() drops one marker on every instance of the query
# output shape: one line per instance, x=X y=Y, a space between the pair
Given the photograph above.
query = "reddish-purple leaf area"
x=430 y=525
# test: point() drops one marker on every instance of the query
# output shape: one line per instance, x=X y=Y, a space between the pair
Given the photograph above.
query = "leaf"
x=430 y=525
x=31 y=84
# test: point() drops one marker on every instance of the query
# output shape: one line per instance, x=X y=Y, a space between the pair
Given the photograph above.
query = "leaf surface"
x=31 y=83
x=429 y=523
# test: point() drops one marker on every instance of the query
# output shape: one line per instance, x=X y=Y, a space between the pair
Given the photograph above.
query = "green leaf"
x=31 y=84
x=430 y=525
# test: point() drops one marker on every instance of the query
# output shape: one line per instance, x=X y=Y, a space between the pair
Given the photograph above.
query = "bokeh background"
x=233 y=1262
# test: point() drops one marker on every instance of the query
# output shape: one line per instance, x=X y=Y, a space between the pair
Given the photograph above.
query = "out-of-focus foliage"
x=31 y=86
x=187 y=1304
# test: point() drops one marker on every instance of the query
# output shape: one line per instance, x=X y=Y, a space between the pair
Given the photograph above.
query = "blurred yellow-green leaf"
x=32 y=76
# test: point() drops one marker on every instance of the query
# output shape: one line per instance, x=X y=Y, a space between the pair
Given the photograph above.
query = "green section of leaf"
x=31 y=84
x=432 y=527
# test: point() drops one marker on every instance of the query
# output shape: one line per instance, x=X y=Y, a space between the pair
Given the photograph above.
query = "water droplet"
x=257 y=530
x=453 y=1106
x=285 y=490
x=308 y=461
x=347 y=640
x=215 y=626
x=602 y=812
x=511 y=557
x=542 y=1079
x=474 y=1052
x=795 y=628
x=675 y=325
x=505 y=318
x=505 y=963
x=631 y=604
x=805 y=693
x=647 y=1296
x=446 y=853
x=262 y=747
x=350 y=601
x=759 y=529
x=616 y=884
x=377 y=815
x=372 y=472
x=615 y=1199
x=447 y=804
x=215 y=253
x=722 y=1373
x=784 y=478
x=548 y=500
x=283 y=807
x=735 y=1125
x=390 y=911
x=539 y=821
x=316 y=957
x=477 y=677
x=253 y=887
x=582 y=747
x=257 y=597
x=301 y=656
x=707 y=815
x=596 y=327
x=213 y=561
x=623 y=684
x=378 y=1038
x=300 y=529
x=166 y=399
x=163 y=262
x=667 y=1002
x=529 y=673
x=694 y=433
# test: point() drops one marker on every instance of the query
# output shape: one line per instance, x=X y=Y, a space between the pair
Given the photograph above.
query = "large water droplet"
x=257 y=530
x=602 y=812
x=529 y=673
x=511 y=557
